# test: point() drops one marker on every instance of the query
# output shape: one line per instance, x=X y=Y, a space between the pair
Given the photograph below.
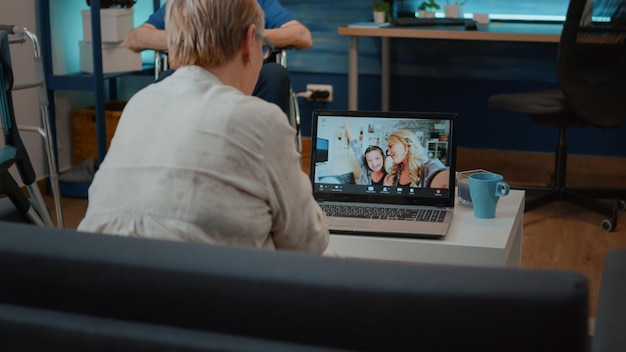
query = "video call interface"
x=336 y=159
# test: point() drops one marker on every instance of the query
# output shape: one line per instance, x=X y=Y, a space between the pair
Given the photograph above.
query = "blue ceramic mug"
x=485 y=190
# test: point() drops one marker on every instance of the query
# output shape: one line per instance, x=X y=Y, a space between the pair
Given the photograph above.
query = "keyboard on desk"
x=366 y=212
x=415 y=21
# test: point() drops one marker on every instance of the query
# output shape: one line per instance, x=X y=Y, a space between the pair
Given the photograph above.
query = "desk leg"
x=514 y=258
x=384 y=74
x=353 y=74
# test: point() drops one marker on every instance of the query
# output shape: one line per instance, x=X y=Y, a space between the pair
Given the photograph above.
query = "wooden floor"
x=556 y=236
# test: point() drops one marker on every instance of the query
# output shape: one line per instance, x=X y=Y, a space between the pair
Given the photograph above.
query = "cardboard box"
x=115 y=58
x=114 y=24
x=84 y=135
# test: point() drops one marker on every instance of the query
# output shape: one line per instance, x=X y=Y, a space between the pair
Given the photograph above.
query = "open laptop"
x=348 y=198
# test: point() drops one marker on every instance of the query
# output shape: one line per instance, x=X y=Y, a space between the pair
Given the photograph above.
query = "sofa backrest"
x=35 y=329
x=291 y=297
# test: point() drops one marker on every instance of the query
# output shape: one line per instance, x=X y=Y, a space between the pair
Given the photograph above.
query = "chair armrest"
x=611 y=310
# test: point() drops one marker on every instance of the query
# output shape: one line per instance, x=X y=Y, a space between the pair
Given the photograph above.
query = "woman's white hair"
x=208 y=32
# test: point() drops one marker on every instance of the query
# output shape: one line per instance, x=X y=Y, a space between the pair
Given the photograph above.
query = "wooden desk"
x=476 y=242
x=511 y=32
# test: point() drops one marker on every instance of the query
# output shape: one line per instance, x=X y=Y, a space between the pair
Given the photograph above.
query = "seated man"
x=280 y=28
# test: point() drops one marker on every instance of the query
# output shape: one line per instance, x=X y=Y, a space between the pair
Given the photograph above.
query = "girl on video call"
x=372 y=162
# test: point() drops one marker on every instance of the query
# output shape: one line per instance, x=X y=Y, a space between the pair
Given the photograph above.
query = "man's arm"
x=146 y=36
x=291 y=34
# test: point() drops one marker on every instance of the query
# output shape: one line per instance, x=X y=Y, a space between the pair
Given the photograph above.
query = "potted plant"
x=427 y=9
x=454 y=10
x=381 y=11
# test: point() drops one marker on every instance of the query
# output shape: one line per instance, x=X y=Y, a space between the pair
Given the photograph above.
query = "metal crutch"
x=44 y=130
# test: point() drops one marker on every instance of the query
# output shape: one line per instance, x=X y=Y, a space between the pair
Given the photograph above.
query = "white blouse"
x=196 y=160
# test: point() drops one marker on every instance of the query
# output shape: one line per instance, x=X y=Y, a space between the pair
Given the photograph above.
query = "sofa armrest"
x=611 y=310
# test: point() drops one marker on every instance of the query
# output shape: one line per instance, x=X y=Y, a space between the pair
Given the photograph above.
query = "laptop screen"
x=384 y=157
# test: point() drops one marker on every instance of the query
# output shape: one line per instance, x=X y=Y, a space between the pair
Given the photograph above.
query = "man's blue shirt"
x=275 y=15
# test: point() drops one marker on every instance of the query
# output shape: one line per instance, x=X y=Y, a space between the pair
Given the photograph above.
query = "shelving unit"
x=93 y=82
x=438 y=149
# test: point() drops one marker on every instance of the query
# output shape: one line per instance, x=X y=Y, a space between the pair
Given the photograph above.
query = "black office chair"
x=34 y=209
x=591 y=66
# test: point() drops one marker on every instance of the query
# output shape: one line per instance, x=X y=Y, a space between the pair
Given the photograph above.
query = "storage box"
x=84 y=138
x=115 y=58
x=462 y=180
x=114 y=24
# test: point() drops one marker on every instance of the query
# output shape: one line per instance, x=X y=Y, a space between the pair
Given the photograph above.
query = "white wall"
x=26 y=102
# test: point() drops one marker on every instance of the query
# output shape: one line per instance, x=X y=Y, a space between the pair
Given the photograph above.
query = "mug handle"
x=502 y=189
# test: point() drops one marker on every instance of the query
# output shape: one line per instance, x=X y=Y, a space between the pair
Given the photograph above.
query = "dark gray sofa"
x=62 y=290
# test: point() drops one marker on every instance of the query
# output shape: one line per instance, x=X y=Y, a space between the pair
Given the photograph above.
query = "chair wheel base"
x=607 y=225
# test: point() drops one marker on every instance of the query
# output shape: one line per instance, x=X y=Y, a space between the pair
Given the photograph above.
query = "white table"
x=471 y=241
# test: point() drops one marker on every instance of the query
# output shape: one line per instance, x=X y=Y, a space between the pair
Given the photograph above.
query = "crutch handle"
x=9 y=28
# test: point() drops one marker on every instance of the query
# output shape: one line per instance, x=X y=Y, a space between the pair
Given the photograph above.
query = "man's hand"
x=145 y=37
x=291 y=34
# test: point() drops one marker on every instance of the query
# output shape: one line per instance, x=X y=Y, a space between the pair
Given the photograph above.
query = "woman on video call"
x=410 y=164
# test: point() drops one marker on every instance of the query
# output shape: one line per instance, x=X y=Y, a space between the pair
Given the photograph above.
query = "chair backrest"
x=161 y=60
x=592 y=62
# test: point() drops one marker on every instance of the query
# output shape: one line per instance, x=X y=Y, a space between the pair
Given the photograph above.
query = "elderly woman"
x=410 y=163
x=195 y=157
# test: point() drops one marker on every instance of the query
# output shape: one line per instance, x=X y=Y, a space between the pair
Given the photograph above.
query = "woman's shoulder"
x=430 y=169
x=258 y=117
x=251 y=107
x=434 y=164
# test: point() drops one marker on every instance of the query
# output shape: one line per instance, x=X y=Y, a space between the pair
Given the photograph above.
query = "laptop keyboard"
x=384 y=213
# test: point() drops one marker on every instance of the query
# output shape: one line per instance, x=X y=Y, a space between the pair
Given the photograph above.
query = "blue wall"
x=439 y=75
x=427 y=75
